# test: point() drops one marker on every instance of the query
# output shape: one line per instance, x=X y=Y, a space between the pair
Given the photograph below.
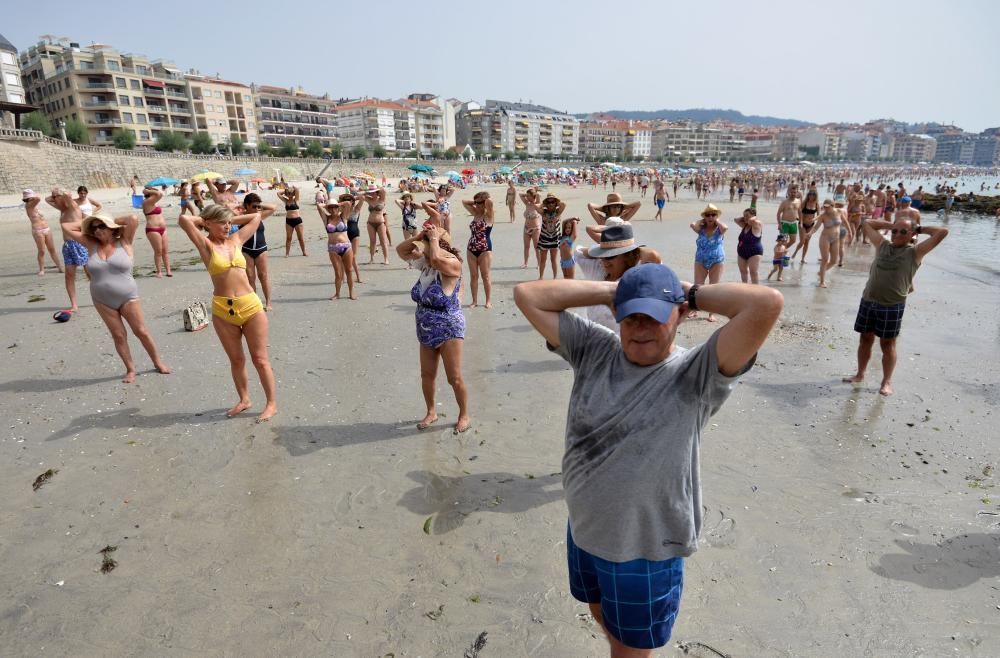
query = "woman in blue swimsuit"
x=439 y=318
x=710 y=255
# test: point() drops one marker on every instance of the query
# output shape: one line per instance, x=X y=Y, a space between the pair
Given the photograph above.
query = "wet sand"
x=839 y=522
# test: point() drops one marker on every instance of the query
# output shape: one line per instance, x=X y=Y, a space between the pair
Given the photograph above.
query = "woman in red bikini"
x=156 y=229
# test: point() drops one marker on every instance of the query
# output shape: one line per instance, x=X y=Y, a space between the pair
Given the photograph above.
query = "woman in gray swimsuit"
x=115 y=295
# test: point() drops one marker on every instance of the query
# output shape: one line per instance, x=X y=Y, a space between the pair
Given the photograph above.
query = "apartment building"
x=758 y=144
x=435 y=127
x=696 y=142
x=223 y=109
x=12 y=97
x=105 y=90
x=914 y=148
x=292 y=114
x=786 y=146
x=956 y=148
x=987 y=149
x=501 y=126
x=601 y=141
x=373 y=123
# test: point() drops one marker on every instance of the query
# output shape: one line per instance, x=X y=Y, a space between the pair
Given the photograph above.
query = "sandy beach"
x=838 y=523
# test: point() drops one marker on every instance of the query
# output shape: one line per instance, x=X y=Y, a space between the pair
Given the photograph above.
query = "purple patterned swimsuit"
x=439 y=317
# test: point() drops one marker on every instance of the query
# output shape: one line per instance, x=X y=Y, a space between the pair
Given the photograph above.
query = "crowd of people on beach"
x=625 y=552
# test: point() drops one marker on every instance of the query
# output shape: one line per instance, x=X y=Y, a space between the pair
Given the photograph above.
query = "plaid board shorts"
x=639 y=598
x=75 y=253
x=883 y=321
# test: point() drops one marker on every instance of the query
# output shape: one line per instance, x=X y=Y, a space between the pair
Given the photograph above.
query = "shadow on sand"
x=951 y=564
x=44 y=385
x=131 y=418
x=301 y=440
x=449 y=500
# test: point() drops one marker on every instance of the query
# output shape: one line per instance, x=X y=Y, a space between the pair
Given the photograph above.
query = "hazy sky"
x=912 y=61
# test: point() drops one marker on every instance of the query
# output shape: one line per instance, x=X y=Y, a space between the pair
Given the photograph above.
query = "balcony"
x=159 y=109
x=177 y=109
x=99 y=104
x=176 y=94
x=159 y=124
x=183 y=126
x=150 y=91
x=97 y=85
x=103 y=122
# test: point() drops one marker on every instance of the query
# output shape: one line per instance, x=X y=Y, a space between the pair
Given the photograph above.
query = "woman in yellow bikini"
x=237 y=311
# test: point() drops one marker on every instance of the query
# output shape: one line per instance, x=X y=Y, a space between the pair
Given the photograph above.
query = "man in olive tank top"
x=890 y=280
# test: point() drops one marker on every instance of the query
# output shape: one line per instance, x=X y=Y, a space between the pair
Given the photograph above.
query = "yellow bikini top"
x=217 y=264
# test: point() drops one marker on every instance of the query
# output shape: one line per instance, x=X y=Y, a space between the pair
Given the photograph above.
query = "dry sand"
x=839 y=522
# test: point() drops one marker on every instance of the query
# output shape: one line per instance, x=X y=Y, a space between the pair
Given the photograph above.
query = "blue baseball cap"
x=905 y=199
x=650 y=289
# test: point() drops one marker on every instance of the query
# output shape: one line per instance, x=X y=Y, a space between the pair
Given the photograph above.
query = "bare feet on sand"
x=885 y=389
x=162 y=368
x=462 y=425
x=428 y=420
x=270 y=409
x=240 y=407
x=129 y=377
x=853 y=379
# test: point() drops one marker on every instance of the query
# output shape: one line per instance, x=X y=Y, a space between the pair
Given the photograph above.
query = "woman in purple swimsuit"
x=439 y=319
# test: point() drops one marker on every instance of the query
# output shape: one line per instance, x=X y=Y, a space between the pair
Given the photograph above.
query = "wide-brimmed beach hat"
x=614 y=199
x=710 y=208
x=551 y=197
x=28 y=193
x=615 y=221
x=98 y=218
x=615 y=240
x=650 y=289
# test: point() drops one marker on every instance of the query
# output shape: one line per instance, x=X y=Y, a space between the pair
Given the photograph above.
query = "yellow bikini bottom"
x=237 y=310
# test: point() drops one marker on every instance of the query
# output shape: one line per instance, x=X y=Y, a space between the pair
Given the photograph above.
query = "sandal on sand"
x=424 y=425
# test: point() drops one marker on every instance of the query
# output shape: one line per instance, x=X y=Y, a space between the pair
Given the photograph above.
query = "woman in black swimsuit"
x=810 y=206
x=293 y=219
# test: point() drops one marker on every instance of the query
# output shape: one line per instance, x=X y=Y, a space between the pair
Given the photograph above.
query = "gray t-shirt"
x=633 y=433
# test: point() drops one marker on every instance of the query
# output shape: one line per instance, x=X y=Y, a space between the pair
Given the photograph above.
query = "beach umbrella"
x=245 y=172
x=468 y=172
x=419 y=167
x=419 y=175
x=450 y=174
x=505 y=170
x=161 y=181
x=206 y=175
x=364 y=175
x=257 y=180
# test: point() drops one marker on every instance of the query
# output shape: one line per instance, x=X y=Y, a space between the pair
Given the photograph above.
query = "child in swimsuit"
x=567 y=257
x=778 y=261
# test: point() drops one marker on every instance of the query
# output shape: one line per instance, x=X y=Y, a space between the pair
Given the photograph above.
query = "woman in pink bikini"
x=40 y=230
x=156 y=229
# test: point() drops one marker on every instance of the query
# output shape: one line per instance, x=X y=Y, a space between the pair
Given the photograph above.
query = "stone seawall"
x=30 y=160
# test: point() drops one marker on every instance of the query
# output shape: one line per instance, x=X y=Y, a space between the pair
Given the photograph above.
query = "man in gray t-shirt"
x=631 y=468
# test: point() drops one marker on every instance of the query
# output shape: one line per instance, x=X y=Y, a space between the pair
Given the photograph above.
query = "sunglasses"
x=711 y=214
x=897 y=231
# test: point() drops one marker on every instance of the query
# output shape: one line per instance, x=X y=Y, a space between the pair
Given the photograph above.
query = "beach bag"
x=195 y=317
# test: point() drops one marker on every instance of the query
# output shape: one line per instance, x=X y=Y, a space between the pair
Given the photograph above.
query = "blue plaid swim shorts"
x=75 y=253
x=639 y=598
x=883 y=321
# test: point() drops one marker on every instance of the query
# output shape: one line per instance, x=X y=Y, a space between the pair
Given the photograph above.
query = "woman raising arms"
x=112 y=288
x=236 y=308
x=156 y=229
x=532 y=223
x=376 y=223
x=410 y=226
x=709 y=256
x=350 y=208
x=439 y=318
x=550 y=234
x=338 y=245
x=293 y=218
x=480 y=249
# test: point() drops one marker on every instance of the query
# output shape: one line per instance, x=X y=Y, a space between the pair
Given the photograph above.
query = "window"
x=135 y=84
x=123 y=100
x=218 y=94
x=144 y=134
x=71 y=101
x=16 y=98
x=138 y=101
x=113 y=65
x=127 y=117
x=121 y=83
x=246 y=97
x=12 y=79
x=7 y=58
x=140 y=118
